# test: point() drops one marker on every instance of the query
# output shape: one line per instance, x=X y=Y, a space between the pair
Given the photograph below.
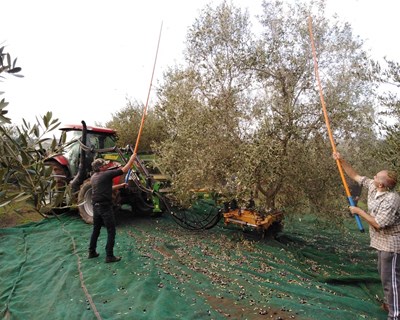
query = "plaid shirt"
x=385 y=208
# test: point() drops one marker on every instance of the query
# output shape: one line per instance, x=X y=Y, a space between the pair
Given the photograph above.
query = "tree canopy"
x=127 y=123
x=243 y=115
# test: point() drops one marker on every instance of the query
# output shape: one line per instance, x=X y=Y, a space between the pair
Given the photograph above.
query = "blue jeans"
x=103 y=215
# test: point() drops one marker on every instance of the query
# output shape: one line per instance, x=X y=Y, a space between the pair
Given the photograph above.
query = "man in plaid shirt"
x=383 y=217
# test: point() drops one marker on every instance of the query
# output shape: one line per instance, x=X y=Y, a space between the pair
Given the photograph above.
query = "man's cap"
x=98 y=163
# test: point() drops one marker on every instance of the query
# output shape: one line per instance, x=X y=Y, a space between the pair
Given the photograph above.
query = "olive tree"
x=295 y=162
x=389 y=151
x=8 y=66
x=206 y=106
x=127 y=123
x=24 y=178
x=243 y=114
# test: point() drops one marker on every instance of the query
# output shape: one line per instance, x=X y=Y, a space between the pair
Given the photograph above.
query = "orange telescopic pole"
x=349 y=197
x=148 y=96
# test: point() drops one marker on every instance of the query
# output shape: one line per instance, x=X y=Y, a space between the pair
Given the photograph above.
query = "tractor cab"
x=97 y=138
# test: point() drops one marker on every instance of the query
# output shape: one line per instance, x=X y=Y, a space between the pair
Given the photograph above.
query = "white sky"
x=81 y=59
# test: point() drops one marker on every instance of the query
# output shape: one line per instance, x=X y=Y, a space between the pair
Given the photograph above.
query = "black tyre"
x=141 y=204
x=56 y=199
x=85 y=202
x=274 y=229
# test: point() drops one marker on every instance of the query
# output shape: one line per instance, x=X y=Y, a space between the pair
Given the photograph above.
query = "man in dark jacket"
x=103 y=215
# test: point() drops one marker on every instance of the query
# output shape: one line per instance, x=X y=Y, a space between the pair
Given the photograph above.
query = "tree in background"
x=243 y=116
x=389 y=153
x=127 y=122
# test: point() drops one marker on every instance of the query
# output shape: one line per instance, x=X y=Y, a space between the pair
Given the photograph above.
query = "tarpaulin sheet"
x=311 y=270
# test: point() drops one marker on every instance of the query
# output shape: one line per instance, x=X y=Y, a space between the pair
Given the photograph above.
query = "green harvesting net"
x=309 y=271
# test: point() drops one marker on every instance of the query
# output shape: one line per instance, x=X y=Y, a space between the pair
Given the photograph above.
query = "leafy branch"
x=7 y=65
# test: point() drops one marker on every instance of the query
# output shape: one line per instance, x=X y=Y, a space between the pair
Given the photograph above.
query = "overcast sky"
x=82 y=59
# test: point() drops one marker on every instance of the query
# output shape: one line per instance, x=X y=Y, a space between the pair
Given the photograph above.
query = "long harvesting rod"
x=148 y=95
x=346 y=188
x=145 y=106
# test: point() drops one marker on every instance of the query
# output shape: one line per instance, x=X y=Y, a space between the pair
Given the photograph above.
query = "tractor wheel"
x=273 y=231
x=141 y=205
x=56 y=198
x=85 y=202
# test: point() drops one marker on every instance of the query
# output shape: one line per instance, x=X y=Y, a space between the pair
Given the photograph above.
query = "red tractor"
x=71 y=169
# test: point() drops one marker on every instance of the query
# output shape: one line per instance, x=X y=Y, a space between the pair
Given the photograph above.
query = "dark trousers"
x=389 y=270
x=103 y=215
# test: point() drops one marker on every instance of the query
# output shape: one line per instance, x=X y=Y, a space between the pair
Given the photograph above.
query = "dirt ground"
x=12 y=219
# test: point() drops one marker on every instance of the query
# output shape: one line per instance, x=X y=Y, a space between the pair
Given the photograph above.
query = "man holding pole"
x=383 y=217
x=103 y=215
